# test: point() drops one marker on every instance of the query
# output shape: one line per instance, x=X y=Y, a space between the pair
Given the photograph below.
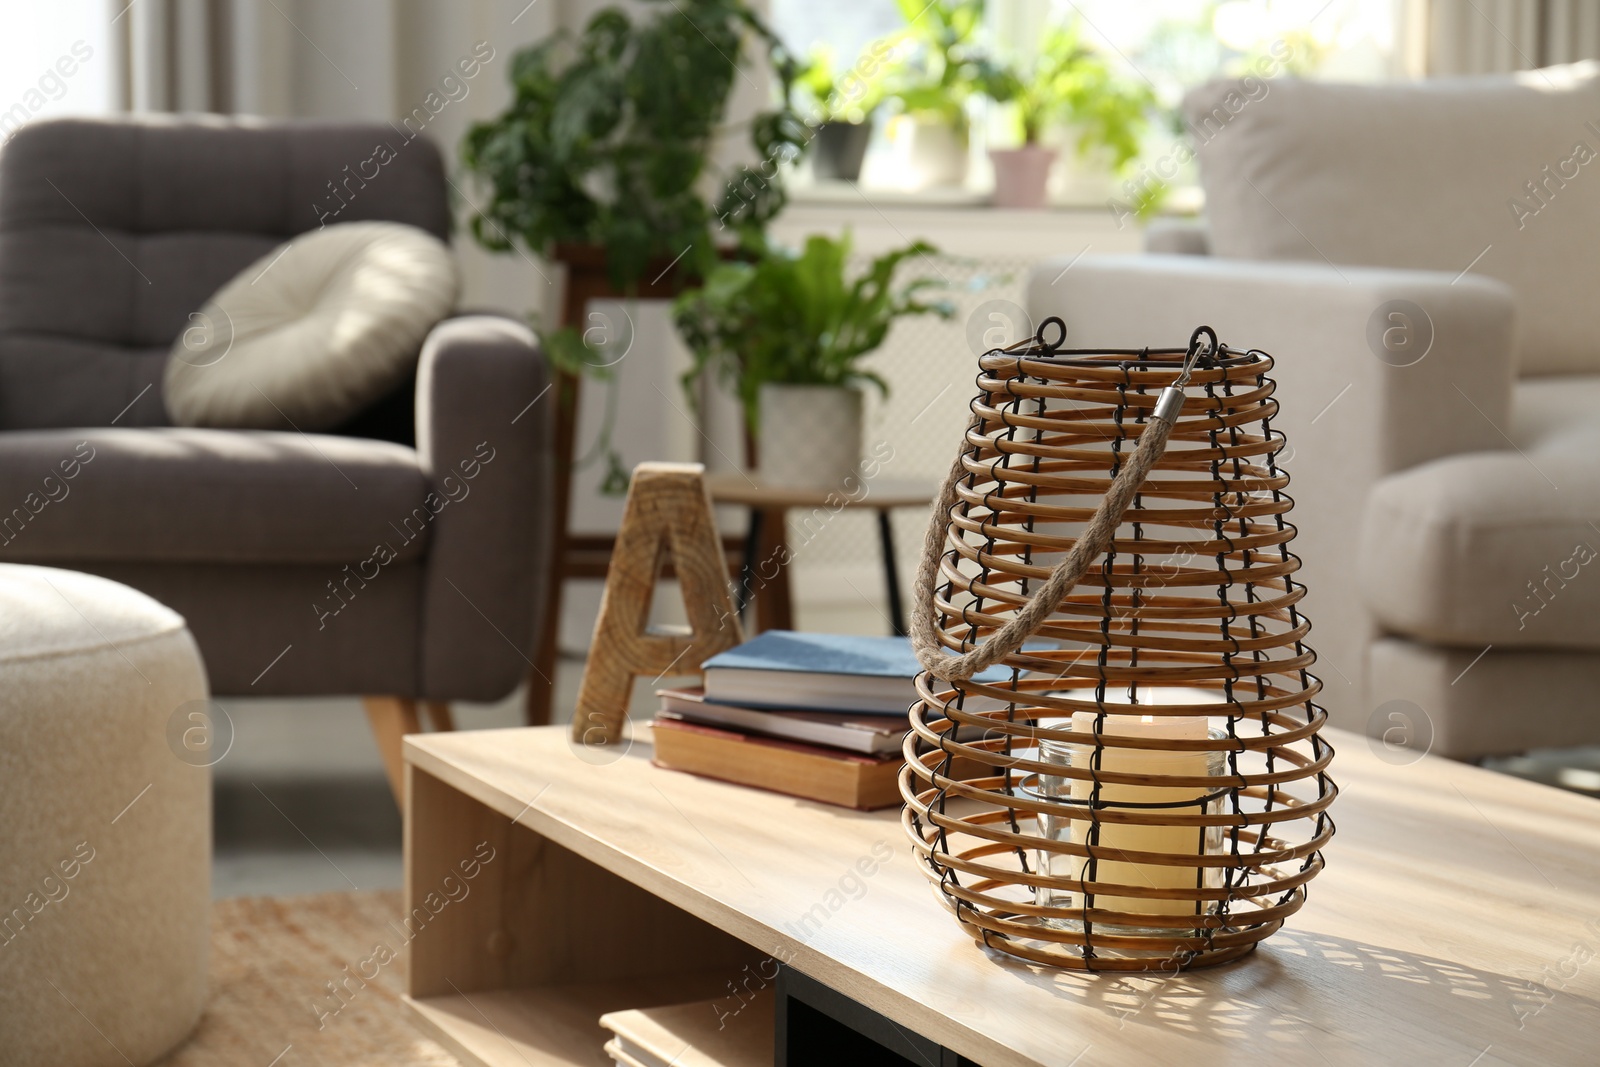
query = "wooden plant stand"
x=578 y=555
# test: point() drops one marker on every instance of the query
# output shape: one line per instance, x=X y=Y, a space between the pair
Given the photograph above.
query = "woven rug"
x=270 y=1004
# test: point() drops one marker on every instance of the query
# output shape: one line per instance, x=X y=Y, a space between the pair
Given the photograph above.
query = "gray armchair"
x=306 y=564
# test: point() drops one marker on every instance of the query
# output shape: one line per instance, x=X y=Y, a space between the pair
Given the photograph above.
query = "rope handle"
x=1096 y=537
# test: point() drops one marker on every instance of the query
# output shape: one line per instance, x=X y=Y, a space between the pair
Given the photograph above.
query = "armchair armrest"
x=1350 y=417
x=484 y=438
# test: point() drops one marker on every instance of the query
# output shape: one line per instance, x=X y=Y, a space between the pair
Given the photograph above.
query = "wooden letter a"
x=668 y=511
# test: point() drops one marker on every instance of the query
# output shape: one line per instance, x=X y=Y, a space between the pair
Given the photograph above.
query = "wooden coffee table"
x=1458 y=922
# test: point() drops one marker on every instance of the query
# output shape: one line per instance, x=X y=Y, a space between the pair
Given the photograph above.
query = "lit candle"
x=1124 y=837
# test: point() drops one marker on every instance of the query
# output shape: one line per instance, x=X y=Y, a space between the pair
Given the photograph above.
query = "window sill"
x=1183 y=202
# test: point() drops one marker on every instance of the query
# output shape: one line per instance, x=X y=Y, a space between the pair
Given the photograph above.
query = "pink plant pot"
x=1021 y=175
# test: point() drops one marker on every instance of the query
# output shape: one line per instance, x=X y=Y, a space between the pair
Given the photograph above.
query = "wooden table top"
x=1458 y=920
x=734 y=487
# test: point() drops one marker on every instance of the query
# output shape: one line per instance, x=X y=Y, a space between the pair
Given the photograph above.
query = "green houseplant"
x=938 y=67
x=788 y=331
x=608 y=137
x=841 y=108
x=1069 y=83
x=601 y=160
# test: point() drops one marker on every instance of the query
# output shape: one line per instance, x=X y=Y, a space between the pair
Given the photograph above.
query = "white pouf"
x=105 y=833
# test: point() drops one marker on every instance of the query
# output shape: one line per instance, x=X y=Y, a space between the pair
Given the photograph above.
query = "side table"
x=771 y=504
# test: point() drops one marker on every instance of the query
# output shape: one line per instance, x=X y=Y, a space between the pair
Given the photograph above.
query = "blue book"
x=823 y=672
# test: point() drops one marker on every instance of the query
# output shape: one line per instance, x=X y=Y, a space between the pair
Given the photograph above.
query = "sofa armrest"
x=484 y=436
x=1349 y=416
x=1316 y=321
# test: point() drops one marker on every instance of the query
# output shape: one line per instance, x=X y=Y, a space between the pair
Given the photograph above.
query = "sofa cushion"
x=1508 y=700
x=183 y=495
x=1557 y=414
x=1497 y=548
x=313 y=332
x=1497 y=174
x=353 y=636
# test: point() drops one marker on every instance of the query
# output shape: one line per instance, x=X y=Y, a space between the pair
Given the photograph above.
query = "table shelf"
x=543 y=1026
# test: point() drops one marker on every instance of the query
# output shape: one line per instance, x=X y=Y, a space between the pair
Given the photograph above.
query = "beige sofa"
x=1422 y=261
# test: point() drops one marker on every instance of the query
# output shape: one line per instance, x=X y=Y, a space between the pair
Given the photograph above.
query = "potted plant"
x=788 y=331
x=601 y=159
x=842 y=109
x=606 y=143
x=1065 y=82
x=938 y=67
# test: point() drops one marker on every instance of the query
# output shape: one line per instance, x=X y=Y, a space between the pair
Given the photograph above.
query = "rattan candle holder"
x=1141 y=785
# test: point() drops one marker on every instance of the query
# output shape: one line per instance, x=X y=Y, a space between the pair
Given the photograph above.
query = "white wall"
x=378 y=59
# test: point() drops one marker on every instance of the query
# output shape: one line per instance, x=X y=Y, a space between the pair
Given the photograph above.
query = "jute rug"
x=271 y=961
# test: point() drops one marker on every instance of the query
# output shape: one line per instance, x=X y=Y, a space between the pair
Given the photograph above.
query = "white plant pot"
x=938 y=154
x=810 y=435
x=1081 y=180
x=1021 y=175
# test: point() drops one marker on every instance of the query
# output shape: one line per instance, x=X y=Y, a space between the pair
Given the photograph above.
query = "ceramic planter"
x=938 y=153
x=1087 y=176
x=1021 y=175
x=810 y=435
x=838 y=149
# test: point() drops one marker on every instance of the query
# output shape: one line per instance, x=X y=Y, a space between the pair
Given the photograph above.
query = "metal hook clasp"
x=1197 y=352
x=1202 y=345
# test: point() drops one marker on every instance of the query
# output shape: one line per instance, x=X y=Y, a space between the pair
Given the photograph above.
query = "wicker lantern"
x=1114 y=763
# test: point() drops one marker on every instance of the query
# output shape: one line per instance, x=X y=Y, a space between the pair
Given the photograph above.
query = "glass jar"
x=1073 y=796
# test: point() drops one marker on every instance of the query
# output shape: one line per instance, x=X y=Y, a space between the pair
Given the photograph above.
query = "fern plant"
x=796 y=318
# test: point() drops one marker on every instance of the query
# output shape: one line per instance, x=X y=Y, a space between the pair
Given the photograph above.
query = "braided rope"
x=1095 y=540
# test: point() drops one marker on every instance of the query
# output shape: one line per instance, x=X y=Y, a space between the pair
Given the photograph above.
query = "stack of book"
x=819 y=716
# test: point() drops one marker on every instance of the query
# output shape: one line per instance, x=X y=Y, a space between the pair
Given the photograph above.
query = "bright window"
x=1172 y=45
x=1175 y=43
x=55 y=59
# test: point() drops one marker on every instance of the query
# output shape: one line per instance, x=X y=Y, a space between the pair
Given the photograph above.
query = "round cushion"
x=314 y=332
x=106 y=882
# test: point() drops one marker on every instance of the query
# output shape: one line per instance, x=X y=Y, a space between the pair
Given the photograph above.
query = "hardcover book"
x=810 y=771
x=856 y=732
x=835 y=672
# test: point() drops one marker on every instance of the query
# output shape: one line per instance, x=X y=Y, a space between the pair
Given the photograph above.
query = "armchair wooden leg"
x=540 y=695
x=391 y=719
x=440 y=715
